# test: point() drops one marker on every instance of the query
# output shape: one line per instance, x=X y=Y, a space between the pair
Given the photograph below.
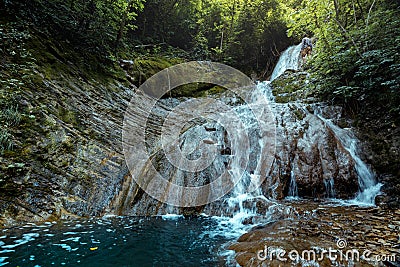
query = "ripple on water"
x=25 y=239
x=3 y=261
x=115 y=241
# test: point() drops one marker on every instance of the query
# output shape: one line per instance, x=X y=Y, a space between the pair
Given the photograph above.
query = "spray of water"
x=369 y=188
x=289 y=60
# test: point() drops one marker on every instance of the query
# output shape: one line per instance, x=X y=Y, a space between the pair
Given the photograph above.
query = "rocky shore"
x=373 y=232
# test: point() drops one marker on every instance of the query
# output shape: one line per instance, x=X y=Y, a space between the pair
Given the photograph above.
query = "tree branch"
x=347 y=36
x=369 y=13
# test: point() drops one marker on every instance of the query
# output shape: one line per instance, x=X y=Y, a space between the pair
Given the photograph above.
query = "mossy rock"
x=142 y=69
x=197 y=90
x=68 y=116
x=300 y=115
x=290 y=86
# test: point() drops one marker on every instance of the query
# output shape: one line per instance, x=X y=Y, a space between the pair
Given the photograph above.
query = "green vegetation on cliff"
x=356 y=56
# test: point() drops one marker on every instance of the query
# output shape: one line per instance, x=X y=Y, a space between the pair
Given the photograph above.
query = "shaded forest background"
x=246 y=34
x=357 y=40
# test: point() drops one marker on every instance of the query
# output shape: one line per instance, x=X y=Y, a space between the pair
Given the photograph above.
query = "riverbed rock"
x=302 y=234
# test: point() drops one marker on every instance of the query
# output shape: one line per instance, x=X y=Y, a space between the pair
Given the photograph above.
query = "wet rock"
x=226 y=151
x=300 y=233
x=308 y=150
x=71 y=150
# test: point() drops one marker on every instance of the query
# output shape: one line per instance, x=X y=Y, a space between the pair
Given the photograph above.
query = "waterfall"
x=330 y=188
x=369 y=188
x=289 y=60
x=303 y=149
x=293 y=192
x=242 y=209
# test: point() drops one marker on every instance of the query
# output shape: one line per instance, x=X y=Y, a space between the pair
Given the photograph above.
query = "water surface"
x=118 y=241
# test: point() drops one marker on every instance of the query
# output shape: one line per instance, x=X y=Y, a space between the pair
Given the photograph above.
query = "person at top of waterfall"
x=306 y=48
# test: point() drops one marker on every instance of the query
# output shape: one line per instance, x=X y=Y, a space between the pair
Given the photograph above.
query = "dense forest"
x=356 y=52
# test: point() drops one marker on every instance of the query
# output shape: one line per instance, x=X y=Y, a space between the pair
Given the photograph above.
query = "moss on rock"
x=292 y=86
x=142 y=68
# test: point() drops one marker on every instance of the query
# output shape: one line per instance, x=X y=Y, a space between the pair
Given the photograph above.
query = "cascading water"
x=369 y=188
x=293 y=191
x=289 y=60
x=304 y=156
x=303 y=149
x=329 y=188
x=242 y=207
x=242 y=213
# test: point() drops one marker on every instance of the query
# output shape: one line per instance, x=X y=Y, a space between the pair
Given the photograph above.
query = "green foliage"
x=245 y=34
x=96 y=25
x=10 y=116
x=261 y=35
x=356 y=59
x=16 y=69
x=6 y=142
x=306 y=17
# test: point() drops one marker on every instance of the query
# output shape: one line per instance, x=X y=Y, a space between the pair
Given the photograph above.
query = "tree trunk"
x=120 y=33
x=361 y=10
x=122 y=24
x=337 y=10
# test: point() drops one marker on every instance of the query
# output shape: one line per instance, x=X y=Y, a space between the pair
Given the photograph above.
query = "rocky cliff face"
x=65 y=155
x=307 y=150
x=67 y=159
x=71 y=161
